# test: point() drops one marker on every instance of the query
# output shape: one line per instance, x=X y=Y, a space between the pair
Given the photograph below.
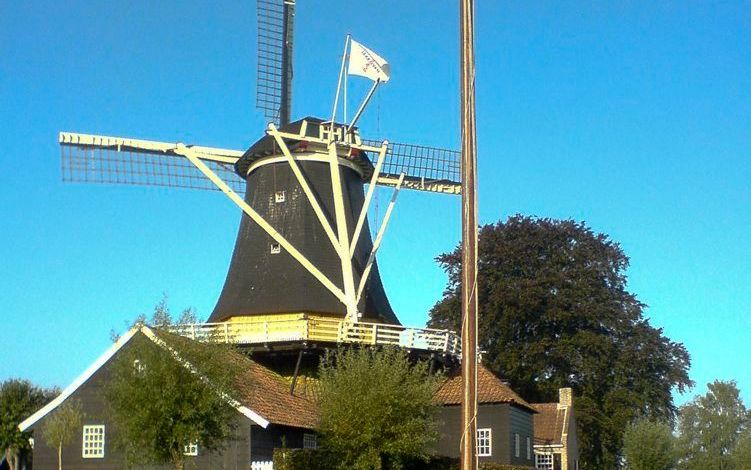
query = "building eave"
x=103 y=359
x=547 y=446
x=80 y=380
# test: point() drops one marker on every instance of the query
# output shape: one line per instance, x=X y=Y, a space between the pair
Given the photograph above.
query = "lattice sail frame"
x=95 y=159
x=425 y=168
x=274 y=70
x=89 y=158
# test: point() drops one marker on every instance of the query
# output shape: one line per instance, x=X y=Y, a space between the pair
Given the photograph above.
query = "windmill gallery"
x=303 y=277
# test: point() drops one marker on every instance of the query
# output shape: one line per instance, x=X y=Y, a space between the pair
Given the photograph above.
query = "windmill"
x=304 y=264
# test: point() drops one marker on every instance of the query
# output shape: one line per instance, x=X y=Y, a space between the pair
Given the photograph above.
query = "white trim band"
x=303 y=157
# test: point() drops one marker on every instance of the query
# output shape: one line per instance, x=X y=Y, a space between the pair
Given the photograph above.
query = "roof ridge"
x=490 y=389
x=106 y=357
x=504 y=384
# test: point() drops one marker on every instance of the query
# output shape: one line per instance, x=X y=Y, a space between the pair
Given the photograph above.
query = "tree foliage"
x=649 y=445
x=375 y=407
x=164 y=397
x=19 y=399
x=60 y=427
x=742 y=452
x=711 y=425
x=555 y=312
x=161 y=317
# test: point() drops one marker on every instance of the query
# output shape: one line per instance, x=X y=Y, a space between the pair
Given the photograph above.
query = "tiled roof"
x=267 y=393
x=490 y=389
x=549 y=423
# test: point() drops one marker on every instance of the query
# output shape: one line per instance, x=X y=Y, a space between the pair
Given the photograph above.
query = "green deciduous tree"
x=376 y=406
x=162 y=316
x=649 y=445
x=741 y=454
x=60 y=428
x=164 y=397
x=555 y=312
x=710 y=427
x=19 y=399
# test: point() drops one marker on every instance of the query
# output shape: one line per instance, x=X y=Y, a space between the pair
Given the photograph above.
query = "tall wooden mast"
x=469 y=239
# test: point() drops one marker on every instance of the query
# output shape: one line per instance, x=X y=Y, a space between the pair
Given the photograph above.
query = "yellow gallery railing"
x=322 y=329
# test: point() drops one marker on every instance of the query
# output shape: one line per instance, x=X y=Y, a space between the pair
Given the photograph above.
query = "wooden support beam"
x=257 y=218
x=379 y=237
x=297 y=371
x=343 y=234
x=305 y=187
x=368 y=197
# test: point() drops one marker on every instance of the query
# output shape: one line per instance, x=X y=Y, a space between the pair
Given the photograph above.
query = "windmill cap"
x=266 y=146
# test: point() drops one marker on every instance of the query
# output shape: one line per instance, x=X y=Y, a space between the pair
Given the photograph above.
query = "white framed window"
x=544 y=461
x=93 y=441
x=191 y=449
x=529 y=448
x=280 y=196
x=517 y=450
x=275 y=249
x=309 y=441
x=484 y=442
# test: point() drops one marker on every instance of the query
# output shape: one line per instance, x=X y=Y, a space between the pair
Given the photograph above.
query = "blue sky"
x=632 y=116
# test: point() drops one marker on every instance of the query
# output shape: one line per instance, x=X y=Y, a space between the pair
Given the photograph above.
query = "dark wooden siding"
x=504 y=420
x=521 y=424
x=495 y=417
x=236 y=455
x=573 y=442
x=449 y=421
x=264 y=441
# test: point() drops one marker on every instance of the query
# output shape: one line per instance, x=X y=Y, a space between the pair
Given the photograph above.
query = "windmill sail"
x=275 y=52
x=114 y=160
x=425 y=168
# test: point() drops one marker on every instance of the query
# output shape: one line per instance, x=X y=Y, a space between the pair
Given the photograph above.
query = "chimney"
x=565 y=397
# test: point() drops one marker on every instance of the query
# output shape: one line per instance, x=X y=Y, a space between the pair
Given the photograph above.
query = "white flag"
x=366 y=63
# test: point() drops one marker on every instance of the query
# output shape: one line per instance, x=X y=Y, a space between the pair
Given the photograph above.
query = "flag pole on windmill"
x=339 y=84
x=362 y=62
x=344 y=104
x=366 y=63
x=468 y=449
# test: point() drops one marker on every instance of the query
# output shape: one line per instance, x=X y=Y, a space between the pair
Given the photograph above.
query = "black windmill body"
x=264 y=279
x=303 y=269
